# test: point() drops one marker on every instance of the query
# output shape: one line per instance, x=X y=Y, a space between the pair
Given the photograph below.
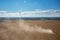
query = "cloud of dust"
x=26 y=27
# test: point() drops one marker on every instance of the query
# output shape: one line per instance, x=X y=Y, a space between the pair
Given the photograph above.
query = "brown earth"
x=12 y=30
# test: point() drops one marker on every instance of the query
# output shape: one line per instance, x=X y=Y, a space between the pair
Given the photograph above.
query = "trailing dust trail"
x=26 y=27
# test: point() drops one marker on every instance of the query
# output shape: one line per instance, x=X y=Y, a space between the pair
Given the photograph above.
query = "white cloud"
x=7 y=14
x=41 y=13
x=35 y=13
x=3 y=11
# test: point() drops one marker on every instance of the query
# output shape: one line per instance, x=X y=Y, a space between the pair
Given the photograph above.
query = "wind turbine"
x=20 y=13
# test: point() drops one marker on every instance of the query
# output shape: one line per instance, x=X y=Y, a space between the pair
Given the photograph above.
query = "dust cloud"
x=26 y=27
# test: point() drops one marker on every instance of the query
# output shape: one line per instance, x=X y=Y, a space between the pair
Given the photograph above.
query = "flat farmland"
x=30 y=30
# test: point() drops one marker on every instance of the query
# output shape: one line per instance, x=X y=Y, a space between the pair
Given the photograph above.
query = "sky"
x=28 y=5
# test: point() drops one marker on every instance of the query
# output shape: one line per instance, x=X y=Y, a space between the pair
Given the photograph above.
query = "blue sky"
x=28 y=5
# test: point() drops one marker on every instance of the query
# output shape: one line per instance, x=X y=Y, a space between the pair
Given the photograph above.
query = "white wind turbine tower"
x=20 y=16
